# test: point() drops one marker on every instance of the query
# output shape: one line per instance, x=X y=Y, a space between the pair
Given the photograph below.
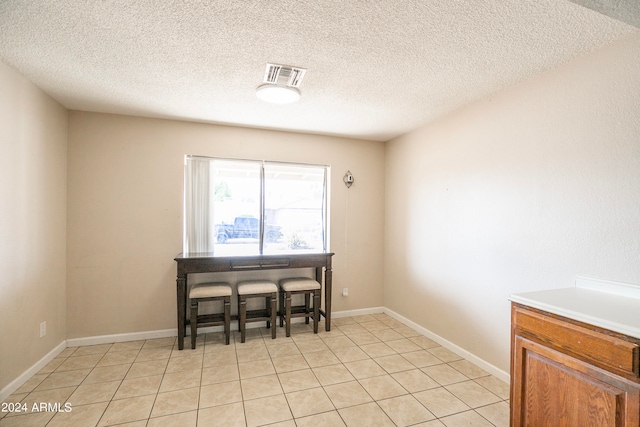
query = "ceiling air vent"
x=284 y=75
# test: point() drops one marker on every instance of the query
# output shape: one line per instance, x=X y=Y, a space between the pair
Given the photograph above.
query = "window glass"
x=236 y=207
x=294 y=208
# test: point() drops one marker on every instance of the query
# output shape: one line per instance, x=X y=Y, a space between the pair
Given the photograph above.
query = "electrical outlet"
x=345 y=292
x=43 y=329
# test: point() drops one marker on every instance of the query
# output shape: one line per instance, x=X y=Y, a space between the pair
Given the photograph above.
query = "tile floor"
x=368 y=371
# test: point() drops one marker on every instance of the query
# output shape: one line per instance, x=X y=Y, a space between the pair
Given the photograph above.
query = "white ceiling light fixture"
x=281 y=83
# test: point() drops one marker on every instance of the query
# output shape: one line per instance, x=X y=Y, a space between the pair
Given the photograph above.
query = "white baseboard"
x=132 y=336
x=26 y=375
x=493 y=370
x=135 y=336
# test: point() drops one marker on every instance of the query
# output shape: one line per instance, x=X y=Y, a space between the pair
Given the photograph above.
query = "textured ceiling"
x=376 y=69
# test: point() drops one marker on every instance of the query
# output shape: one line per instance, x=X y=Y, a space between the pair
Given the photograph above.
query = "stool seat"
x=257 y=289
x=299 y=284
x=294 y=286
x=212 y=291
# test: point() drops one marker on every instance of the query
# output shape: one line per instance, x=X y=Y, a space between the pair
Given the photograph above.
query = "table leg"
x=181 y=285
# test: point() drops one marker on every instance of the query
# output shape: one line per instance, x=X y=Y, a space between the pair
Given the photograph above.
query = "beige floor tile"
x=387 y=335
x=55 y=395
x=220 y=394
x=79 y=416
x=403 y=345
x=289 y=363
x=181 y=380
x=497 y=413
x=255 y=388
x=444 y=374
x=405 y=410
x=282 y=349
x=340 y=321
x=220 y=374
x=92 y=349
x=466 y=419
x=311 y=345
x=352 y=329
x=63 y=379
x=473 y=394
x=364 y=368
x=347 y=394
x=267 y=410
x=298 y=380
x=369 y=415
x=127 y=346
x=225 y=356
x=36 y=419
x=444 y=354
x=333 y=374
x=378 y=350
x=394 y=363
x=250 y=354
x=392 y=323
x=382 y=387
x=174 y=402
x=231 y=415
x=374 y=325
x=179 y=364
x=350 y=354
x=441 y=402
x=118 y=358
x=153 y=353
x=69 y=351
x=415 y=380
x=94 y=393
x=364 y=318
x=321 y=358
x=160 y=342
x=51 y=366
x=407 y=332
x=149 y=368
x=469 y=369
x=424 y=342
x=365 y=338
x=107 y=373
x=79 y=362
x=127 y=410
x=31 y=384
x=422 y=358
x=339 y=342
x=309 y=402
x=141 y=386
x=184 y=419
x=326 y=419
x=257 y=368
x=495 y=385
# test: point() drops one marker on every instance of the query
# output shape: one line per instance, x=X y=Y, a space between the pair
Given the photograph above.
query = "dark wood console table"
x=208 y=263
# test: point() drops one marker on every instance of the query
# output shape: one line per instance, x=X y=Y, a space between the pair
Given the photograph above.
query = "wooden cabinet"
x=568 y=373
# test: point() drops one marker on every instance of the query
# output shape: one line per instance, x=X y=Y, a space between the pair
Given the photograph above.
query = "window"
x=236 y=207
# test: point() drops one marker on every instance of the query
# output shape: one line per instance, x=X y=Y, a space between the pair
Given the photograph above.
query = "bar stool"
x=294 y=286
x=215 y=291
x=257 y=289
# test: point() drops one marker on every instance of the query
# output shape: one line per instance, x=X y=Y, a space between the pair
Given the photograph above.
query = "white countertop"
x=610 y=305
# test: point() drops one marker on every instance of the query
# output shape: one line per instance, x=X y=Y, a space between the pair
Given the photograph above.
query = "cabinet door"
x=552 y=389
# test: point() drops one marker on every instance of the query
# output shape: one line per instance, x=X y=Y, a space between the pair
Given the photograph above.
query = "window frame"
x=262 y=202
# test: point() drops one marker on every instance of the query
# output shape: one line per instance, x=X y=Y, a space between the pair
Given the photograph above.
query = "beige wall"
x=33 y=167
x=522 y=191
x=125 y=214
